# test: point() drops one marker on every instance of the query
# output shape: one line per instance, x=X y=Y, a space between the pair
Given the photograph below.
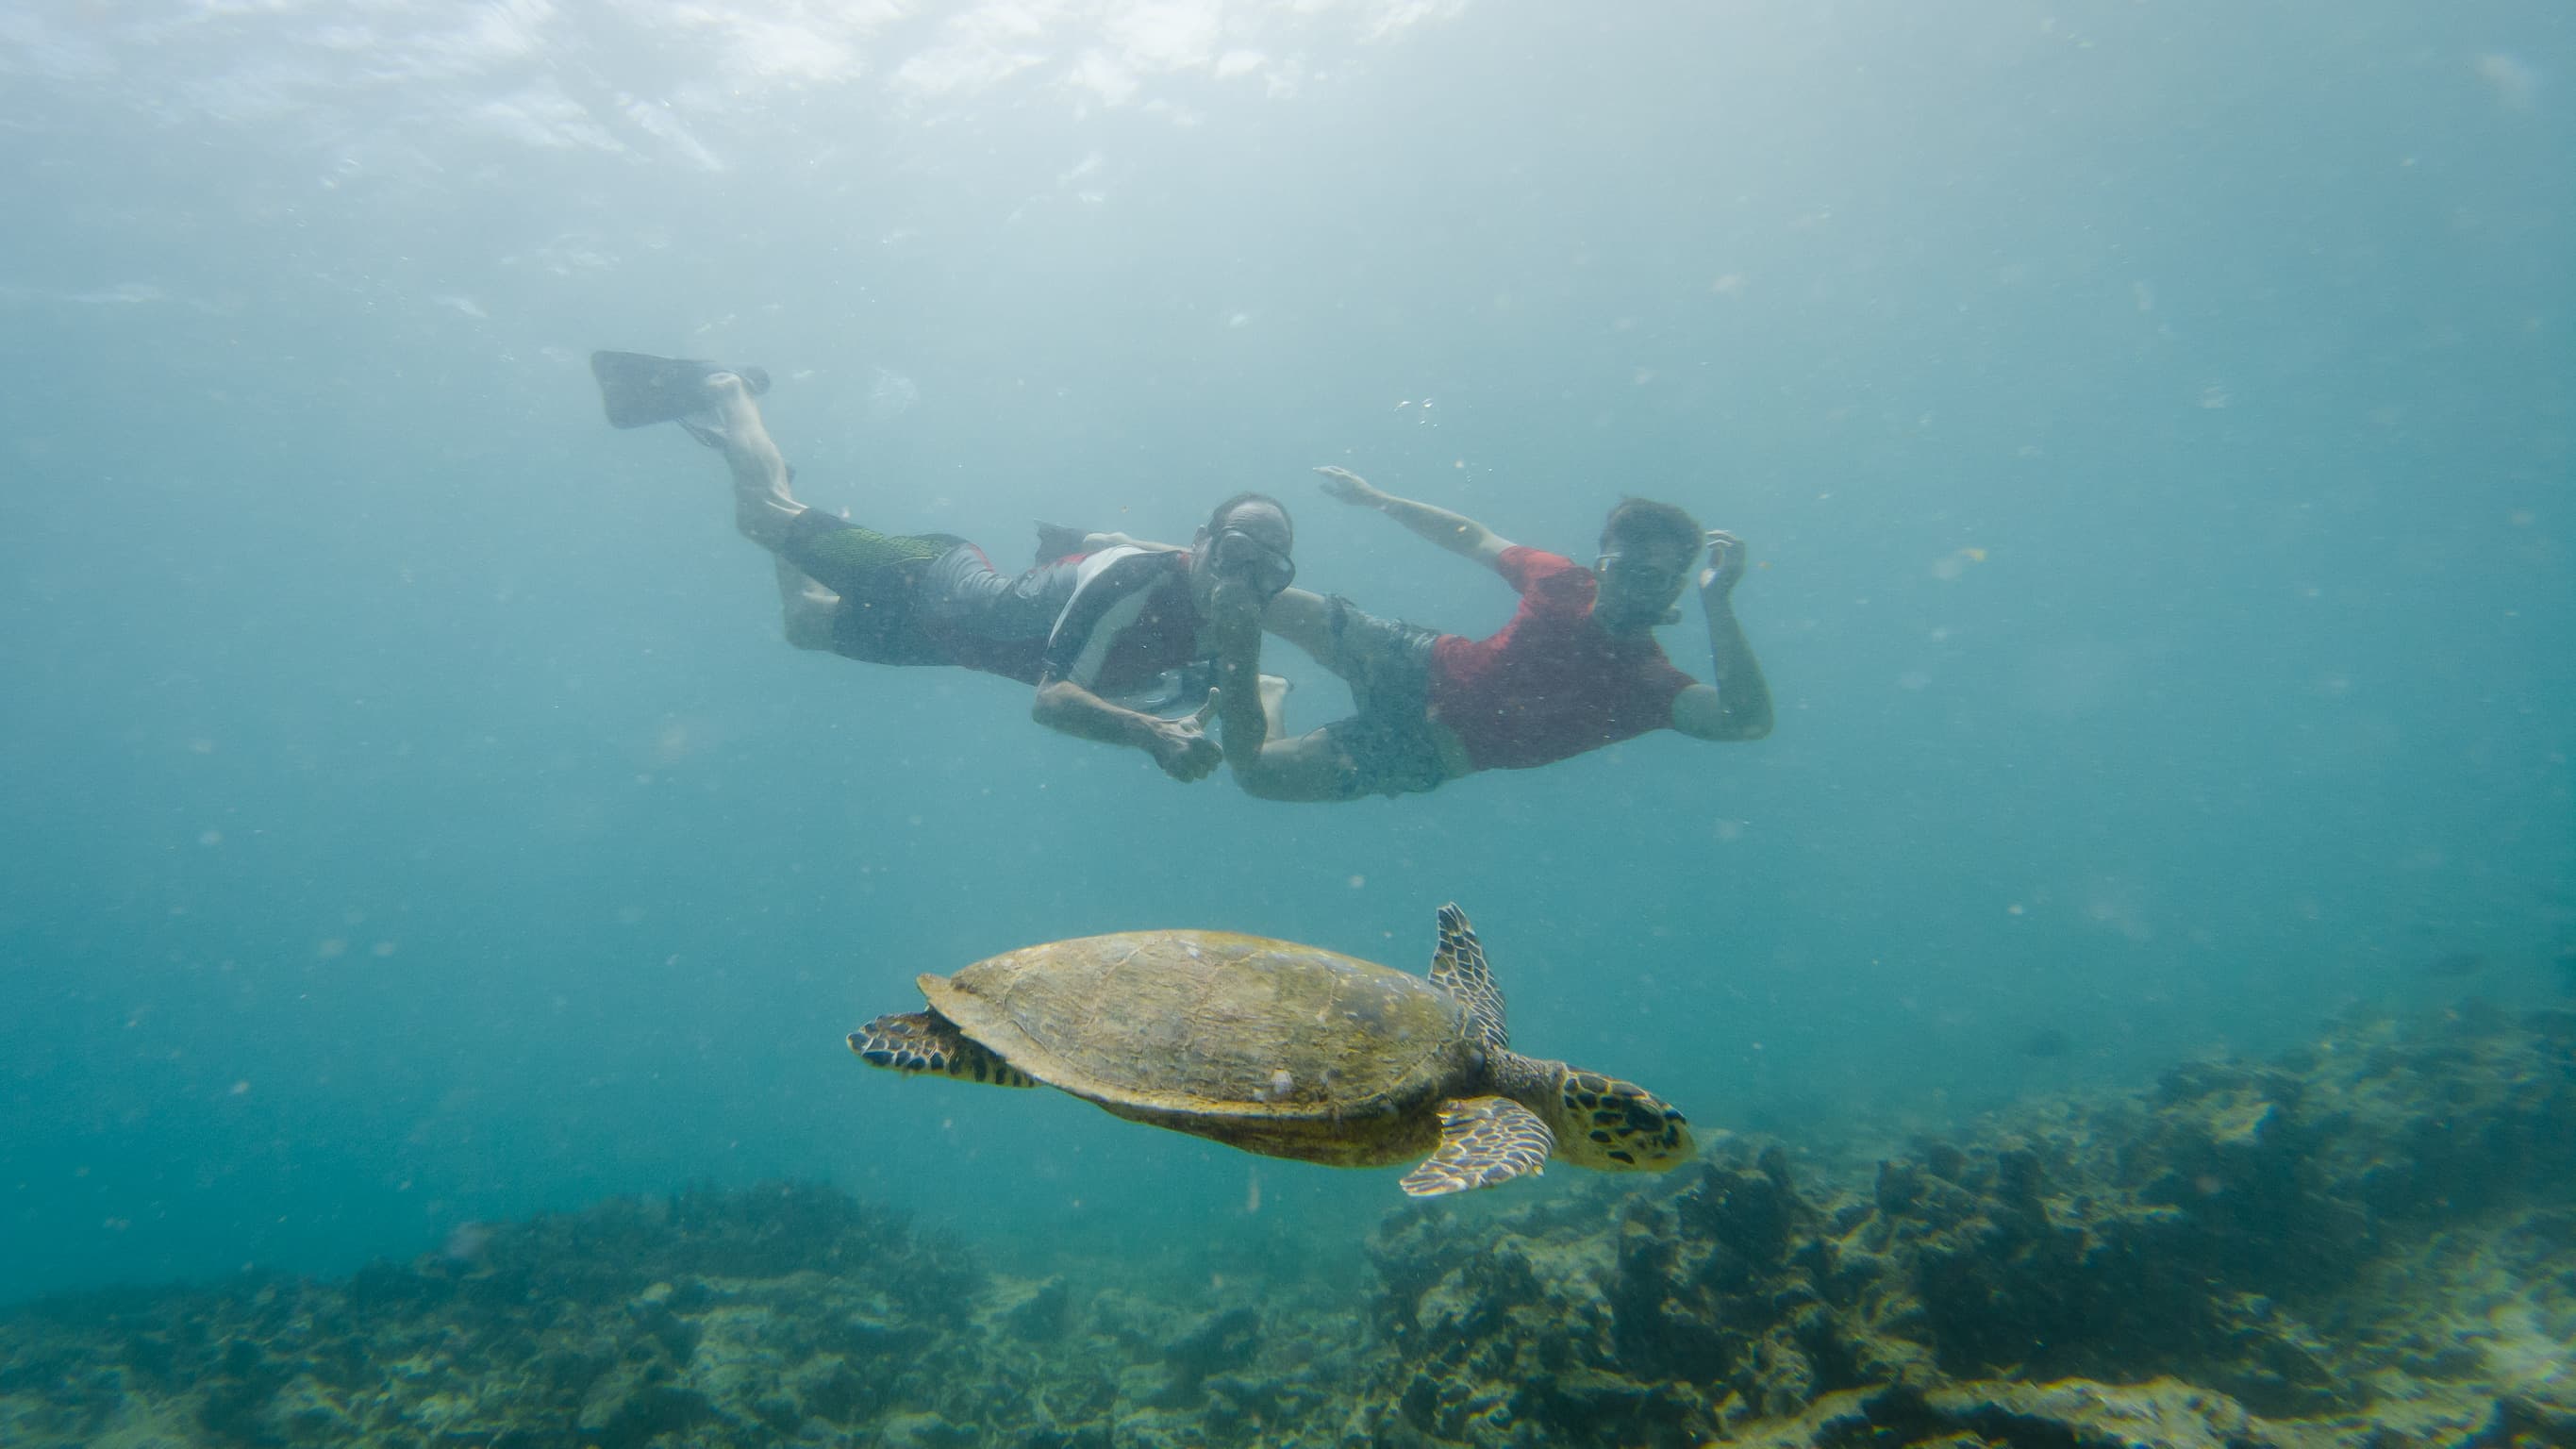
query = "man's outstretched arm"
x=1181 y=747
x=1455 y=532
x=1737 y=706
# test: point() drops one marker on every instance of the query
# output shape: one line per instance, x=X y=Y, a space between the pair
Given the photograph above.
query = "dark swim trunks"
x=878 y=576
x=1117 y=622
x=1387 y=746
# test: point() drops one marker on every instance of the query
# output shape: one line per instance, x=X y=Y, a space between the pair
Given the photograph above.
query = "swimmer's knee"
x=808 y=628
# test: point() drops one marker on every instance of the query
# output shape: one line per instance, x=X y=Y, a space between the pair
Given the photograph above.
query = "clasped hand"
x=1726 y=556
x=1182 y=746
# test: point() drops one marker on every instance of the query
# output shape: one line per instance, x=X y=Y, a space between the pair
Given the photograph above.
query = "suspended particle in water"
x=466 y=1242
x=2513 y=80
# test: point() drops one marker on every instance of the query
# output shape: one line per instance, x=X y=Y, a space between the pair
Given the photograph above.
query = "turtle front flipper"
x=924 y=1041
x=1459 y=968
x=1483 y=1141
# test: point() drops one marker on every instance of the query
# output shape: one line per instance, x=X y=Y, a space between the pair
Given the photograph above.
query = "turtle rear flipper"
x=923 y=1041
x=1483 y=1141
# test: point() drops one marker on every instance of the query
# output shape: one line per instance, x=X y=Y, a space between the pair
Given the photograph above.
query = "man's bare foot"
x=729 y=405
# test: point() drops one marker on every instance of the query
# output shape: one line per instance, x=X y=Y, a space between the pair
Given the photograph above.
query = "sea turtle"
x=1284 y=1050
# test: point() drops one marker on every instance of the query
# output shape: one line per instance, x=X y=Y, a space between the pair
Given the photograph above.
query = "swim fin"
x=639 y=389
x=1057 y=542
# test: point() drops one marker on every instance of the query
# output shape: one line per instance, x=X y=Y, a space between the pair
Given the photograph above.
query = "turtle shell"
x=1173 y=1025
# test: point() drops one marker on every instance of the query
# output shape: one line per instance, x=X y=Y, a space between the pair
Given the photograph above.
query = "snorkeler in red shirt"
x=1577 y=667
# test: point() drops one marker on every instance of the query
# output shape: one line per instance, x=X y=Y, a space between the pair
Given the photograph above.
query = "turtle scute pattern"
x=1210 y=1022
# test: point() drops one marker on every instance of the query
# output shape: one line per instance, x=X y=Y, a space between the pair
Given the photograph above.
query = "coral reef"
x=2370 y=1243
x=2370 y=1238
x=771 y=1316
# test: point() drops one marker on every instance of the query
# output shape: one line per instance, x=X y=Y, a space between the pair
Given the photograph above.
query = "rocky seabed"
x=2369 y=1243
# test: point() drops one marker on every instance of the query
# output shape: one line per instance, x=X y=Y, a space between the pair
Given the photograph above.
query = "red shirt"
x=1553 y=683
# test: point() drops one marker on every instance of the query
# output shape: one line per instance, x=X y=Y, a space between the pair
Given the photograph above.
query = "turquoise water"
x=2154 y=434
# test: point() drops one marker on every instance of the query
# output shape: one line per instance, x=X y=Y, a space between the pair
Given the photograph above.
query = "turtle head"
x=1613 y=1126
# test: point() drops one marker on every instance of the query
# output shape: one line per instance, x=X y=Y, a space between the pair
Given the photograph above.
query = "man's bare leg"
x=1310 y=767
x=1304 y=619
x=763 y=508
x=1274 y=704
x=806 y=609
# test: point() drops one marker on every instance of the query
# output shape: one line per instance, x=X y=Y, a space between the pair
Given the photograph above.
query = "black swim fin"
x=639 y=389
x=1055 y=541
